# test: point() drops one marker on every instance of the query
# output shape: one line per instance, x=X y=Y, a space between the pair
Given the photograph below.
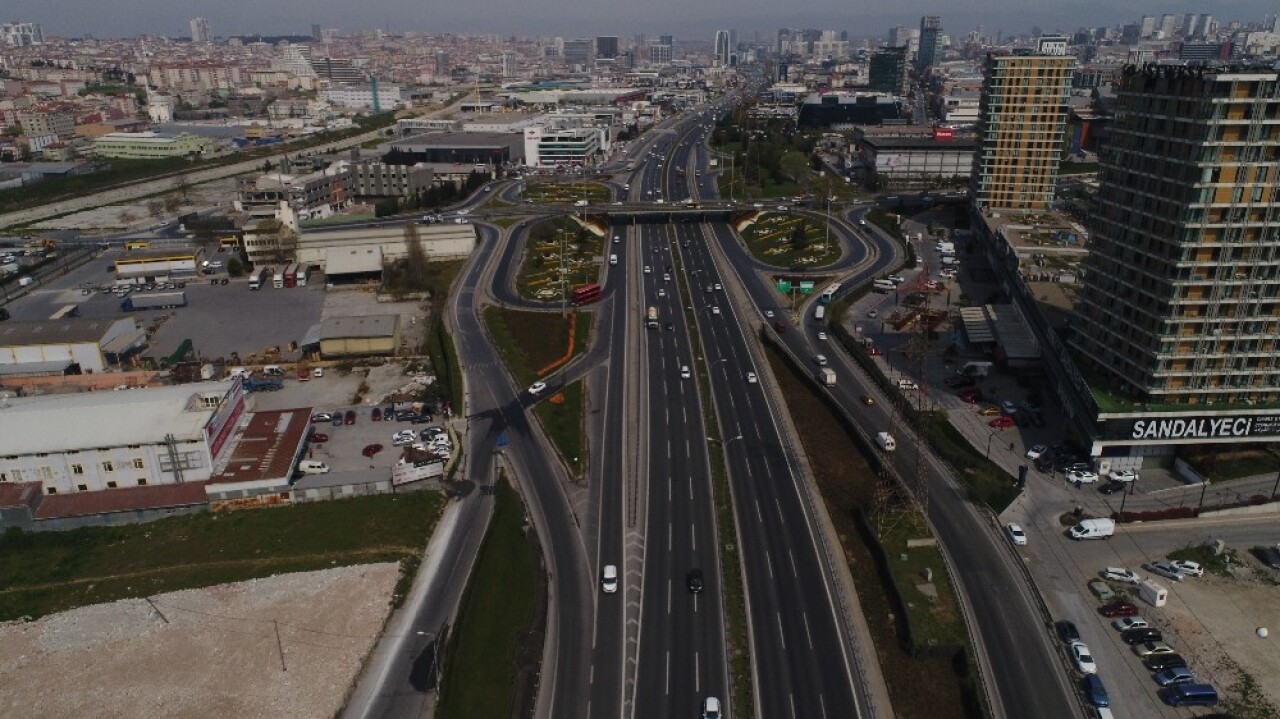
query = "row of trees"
x=432 y=197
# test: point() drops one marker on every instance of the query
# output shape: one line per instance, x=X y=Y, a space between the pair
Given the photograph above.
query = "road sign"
x=784 y=286
x=806 y=287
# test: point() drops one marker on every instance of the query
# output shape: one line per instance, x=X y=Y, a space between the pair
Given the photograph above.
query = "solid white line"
x=693 y=535
x=668 y=597
x=691 y=490
x=697 y=674
x=792 y=698
x=669 y=492
x=669 y=531
x=792 y=554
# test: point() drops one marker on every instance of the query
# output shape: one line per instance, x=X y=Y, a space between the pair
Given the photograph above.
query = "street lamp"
x=990 y=437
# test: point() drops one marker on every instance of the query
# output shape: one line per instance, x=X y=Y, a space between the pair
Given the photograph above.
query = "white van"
x=311 y=466
x=613 y=259
x=883 y=286
x=1093 y=529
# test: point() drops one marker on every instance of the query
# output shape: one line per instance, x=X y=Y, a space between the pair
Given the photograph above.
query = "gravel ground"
x=217 y=654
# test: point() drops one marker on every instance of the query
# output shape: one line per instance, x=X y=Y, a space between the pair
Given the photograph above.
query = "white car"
x=1016 y=535
x=1082 y=476
x=1166 y=570
x=1036 y=451
x=609 y=579
x=1124 y=475
x=822 y=336
x=536 y=388
x=1124 y=624
x=1082 y=658
x=684 y=372
x=1188 y=567
x=647 y=270
x=317 y=372
x=1122 y=574
x=666 y=277
x=715 y=309
x=718 y=287
x=768 y=314
x=403 y=437
x=873 y=314
x=751 y=378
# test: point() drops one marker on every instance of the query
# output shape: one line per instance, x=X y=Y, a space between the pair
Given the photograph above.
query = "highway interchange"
x=655 y=649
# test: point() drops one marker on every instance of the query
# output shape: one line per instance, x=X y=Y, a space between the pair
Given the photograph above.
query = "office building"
x=666 y=40
x=606 y=47
x=577 y=53
x=723 y=49
x=660 y=54
x=510 y=64
x=888 y=71
x=442 y=64
x=366 y=96
x=1180 y=305
x=200 y=32
x=315 y=32
x=561 y=147
x=21 y=34
x=1022 y=116
x=930 y=42
x=1147 y=27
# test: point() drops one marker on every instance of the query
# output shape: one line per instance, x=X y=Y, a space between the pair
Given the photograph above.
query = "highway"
x=1024 y=674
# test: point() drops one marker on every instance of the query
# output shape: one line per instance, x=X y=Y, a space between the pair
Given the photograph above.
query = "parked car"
x=376 y=414
x=1008 y=407
x=1268 y=555
x=989 y=411
x=1097 y=692
x=1124 y=475
x=321 y=417
x=337 y=417
x=1101 y=590
x=405 y=415
x=1121 y=574
x=319 y=437
x=349 y=417
x=1112 y=488
x=1067 y=631
x=1016 y=535
x=970 y=394
x=1138 y=635
x=1124 y=624
x=1118 y=609
x=1166 y=570
x=1174 y=675
x=371 y=449
x=1158 y=662
x=1036 y=451
x=1188 y=567
x=1082 y=658
x=1002 y=422
x=1146 y=649
x=1082 y=476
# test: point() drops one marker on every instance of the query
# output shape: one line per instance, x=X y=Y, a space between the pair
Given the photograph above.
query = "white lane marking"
x=807 y=633
x=693 y=535
x=782 y=637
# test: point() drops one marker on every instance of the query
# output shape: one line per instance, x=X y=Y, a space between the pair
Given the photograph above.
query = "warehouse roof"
x=126 y=499
x=87 y=420
x=352 y=260
x=365 y=326
x=266 y=447
x=69 y=330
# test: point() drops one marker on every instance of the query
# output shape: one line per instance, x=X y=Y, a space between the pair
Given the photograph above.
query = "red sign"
x=943 y=133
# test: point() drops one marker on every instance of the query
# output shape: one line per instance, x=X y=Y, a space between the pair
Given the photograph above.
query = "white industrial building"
x=362 y=250
x=385 y=97
x=95 y=441
x=552 y=147
x=54 y=346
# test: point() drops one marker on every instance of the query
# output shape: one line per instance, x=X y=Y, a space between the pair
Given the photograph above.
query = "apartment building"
x=1022 y=116
x=1181 y=304
x=63 y=125
x=378 y=179
x=310 y=196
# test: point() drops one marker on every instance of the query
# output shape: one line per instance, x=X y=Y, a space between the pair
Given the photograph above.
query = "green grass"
x=1077 y=168
x=539 y=275
x=1203 y=554
x=1221 y=466
x=439 y=343
x=934 y=623
x=480 y=677
x=46 y=572
x=529 y=341
x=986 y=481
x=566 y=192
x=563 y=423
x=770 y=240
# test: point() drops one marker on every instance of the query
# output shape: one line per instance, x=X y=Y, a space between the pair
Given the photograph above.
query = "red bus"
x=586 y=294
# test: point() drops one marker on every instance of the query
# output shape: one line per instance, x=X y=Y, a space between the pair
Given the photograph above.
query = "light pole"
x=564 y=281
x=989 y=438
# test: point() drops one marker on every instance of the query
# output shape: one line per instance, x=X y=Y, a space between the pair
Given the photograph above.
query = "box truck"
x=827 y=376
x=885 y=441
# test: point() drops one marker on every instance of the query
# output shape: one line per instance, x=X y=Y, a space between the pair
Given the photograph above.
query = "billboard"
x=223 y=422
x=416 y=471
x=1189 y=429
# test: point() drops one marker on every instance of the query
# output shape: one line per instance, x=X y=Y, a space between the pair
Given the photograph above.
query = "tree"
x=235 y=267
x=155 y=208
x=415 y=255
x=171 y=202
x=799 y=237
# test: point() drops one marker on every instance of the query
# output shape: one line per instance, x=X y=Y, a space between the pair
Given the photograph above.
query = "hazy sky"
x=682 y=18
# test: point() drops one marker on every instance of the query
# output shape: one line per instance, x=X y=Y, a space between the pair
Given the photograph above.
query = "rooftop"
x=128 y=499
x=366 y=326
x=267 y=447
x=69 y=330
x=85 y=420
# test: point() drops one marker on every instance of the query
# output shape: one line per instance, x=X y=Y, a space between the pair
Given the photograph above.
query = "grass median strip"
x=530 y=340
x=491 y=659
x=49 y=572
x=561 y=417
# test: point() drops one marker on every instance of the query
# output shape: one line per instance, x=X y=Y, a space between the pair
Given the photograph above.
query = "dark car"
x=1043 y=464
x=1020 y=418
x=970 y=394
x=1145 y=634
x=337 y=417
x=670 y=326
x=780 y=326
x=371 y=449
x=1268 y=555
x=318 y=437
x=960 y=380
x=4 y=314
x=1067 y=631
x=422 y=418
x=405 y=415
x=1112 y=488
x=349 y=417
x=1159 y=662
x=1097 y=692
x=694 y=580
x=1037 y=419
x=376 y=414
x=1118 y=609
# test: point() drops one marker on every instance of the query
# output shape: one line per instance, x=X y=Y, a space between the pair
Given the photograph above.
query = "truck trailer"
x=652 y=317
x=259 y=278
x=827 y=376
x=154 y=301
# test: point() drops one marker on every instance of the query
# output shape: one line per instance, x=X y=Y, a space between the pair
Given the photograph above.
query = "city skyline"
x=76 y=18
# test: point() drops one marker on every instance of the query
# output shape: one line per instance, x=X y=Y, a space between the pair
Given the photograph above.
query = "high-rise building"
x=1021 y=119
x=510 y=64
x=722 y=48
x=1190 y=25
x=606 y=47
x=200 y=32
x=315 y=31
x=577 y=53
x=666 y=40
x=1147 y=27
x=21 y=34
x=888 y=71
x=1180 y=303
x=930 y=42
x=660 y=54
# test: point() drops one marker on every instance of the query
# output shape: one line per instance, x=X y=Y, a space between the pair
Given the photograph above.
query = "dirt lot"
x=1216 y=617
x=215 y=652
